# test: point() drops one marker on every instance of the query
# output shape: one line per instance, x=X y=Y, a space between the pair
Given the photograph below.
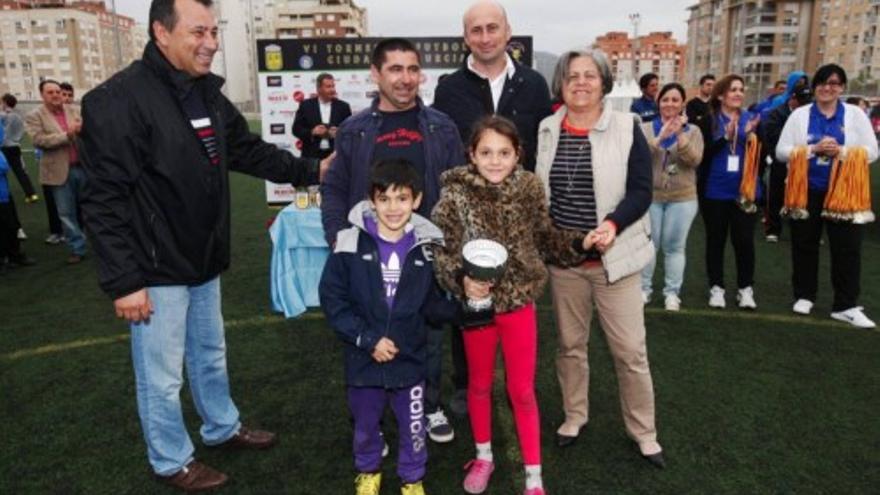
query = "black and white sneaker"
x=439 y=429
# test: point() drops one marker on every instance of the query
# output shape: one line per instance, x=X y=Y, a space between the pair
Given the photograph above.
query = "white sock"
x=533 y=477
x=484 y=452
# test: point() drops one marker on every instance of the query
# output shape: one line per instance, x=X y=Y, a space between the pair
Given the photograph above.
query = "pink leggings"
x=518 y=332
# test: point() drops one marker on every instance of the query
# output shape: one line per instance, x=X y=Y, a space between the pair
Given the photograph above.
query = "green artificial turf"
x=761 y=402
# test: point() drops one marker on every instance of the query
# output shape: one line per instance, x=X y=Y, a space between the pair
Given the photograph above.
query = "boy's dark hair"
x=66 y=86
x=706 y=77
x=646 y=79
x=497 y=124
x=163 y=12
x=825 y=72
x=394 y=173
x=44 y=82
x=382 y=48
x=9 y=100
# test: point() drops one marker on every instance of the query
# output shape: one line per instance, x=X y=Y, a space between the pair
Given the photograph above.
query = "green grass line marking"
x=314 y=315
x=122 y=337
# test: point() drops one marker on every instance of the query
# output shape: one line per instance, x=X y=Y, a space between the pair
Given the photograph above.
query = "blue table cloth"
x=299 y=252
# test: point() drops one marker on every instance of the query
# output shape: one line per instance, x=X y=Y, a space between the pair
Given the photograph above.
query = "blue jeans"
x=186 y=326
x=67 y=196
x=670 y=224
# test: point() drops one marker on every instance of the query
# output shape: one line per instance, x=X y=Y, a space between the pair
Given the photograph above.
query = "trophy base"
x=477 y=318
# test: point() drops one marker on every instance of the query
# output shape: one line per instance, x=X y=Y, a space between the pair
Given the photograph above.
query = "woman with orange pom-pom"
x=834 y=142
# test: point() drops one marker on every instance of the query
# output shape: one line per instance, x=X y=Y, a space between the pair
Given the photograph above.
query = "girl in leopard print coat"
x=494 y=198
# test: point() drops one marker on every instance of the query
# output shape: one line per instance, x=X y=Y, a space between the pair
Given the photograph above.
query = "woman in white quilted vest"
x=595 y=166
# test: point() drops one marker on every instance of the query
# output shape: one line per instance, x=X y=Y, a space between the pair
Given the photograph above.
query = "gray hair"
x=560 y=74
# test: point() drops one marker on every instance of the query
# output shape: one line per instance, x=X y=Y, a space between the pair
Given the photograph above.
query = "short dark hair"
x=497 y=124
x=163 y=12
x=825 y=72
x=781 y=81
x=9 y=100
x=646 y=79
x=706 y=77
x=395 y=173
x=66 y=86
x=380 y=51
x=673 y=86
x=44 y=82
x=321 y=78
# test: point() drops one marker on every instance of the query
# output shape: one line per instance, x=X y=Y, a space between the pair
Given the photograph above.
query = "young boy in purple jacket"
x=378 y=290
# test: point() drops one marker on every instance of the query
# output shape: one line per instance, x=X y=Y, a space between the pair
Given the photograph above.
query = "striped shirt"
x=572 y=200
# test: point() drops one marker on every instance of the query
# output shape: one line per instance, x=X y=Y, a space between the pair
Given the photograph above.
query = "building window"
x=319 y=17
x=331 y=17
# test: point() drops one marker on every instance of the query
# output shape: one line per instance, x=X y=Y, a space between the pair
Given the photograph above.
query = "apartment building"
x=761 y=40
x=79 y=42
x=849 y=29
x=656 y=52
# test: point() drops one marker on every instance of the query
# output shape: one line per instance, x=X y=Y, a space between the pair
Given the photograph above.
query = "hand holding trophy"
x=484 y=263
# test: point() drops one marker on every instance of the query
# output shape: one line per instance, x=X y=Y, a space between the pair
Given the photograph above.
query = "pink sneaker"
x=477 y=478
x=534 y=491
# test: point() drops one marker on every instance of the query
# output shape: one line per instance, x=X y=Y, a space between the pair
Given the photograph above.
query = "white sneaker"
x=772 y=238
x=646 y=296
x=439 y=429
x=21 y=235
x=53 y=239
x=746 y=298
x=802 y=306
x=716 y=297
x=672 y=302
x=855 y=317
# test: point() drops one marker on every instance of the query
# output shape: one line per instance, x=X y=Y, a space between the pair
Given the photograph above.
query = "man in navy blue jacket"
x=646 y=106
x=491 y=82
x=397 y=125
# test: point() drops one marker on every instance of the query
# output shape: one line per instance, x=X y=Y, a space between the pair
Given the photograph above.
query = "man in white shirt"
x=317 y=119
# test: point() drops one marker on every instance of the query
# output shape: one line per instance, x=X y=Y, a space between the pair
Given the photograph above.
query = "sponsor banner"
x=288 y=70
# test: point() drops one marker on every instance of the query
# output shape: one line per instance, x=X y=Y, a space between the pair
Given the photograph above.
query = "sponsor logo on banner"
x=298 y=96
x=276 y=129
x=306 y=62
x=278 y=96
x=273 y=81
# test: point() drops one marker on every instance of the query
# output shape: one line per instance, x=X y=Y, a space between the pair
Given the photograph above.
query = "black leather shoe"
x=656 y=459
x=565 y=440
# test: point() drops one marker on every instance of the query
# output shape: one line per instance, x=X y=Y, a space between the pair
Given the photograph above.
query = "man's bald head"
x=481 y=7
x=486 y=33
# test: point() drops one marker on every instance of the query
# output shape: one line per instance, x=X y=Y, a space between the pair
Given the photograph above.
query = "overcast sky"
x=556 y=25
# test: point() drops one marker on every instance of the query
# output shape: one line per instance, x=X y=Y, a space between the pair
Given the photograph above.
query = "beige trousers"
x=622 y=317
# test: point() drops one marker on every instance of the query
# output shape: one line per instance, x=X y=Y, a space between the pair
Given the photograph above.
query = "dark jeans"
x=720 y=218
x=845 y=243
x=52 y=211
x=9 y=225
x=434 y=370
x=13 y=157
x=775 y=198
x=459 y=360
